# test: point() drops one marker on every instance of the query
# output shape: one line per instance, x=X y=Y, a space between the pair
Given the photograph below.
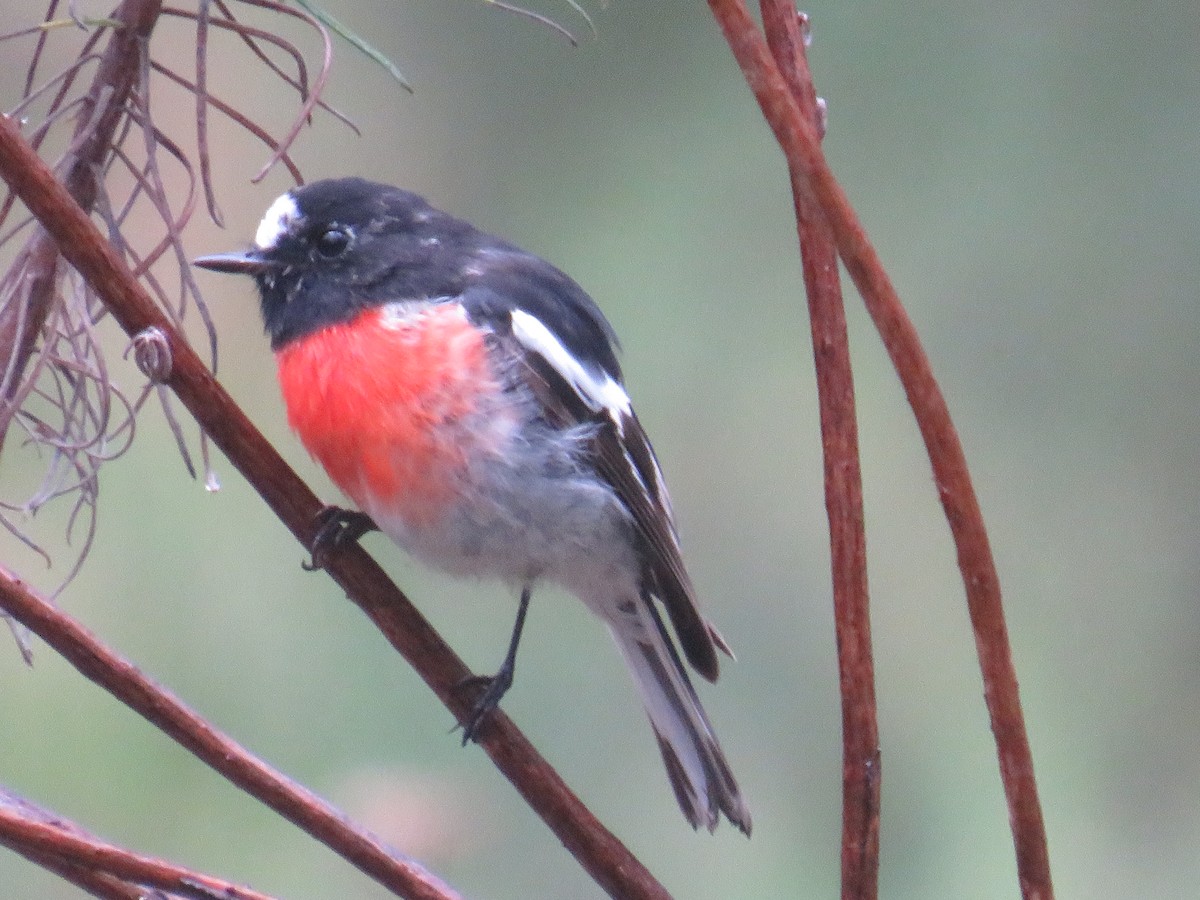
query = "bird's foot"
x=336 y=528
x=494 y=688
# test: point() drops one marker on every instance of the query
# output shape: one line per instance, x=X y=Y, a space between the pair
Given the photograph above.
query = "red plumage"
x=385 y=401
x=466 y=396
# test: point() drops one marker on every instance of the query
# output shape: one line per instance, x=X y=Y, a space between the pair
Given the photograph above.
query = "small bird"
x=466 y=395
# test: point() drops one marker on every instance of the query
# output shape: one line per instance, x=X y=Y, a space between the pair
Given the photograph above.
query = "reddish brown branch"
x=801 y=145
x=861 y=775
x=613 y=867
x=162 y=709
x=104 y=867
x=97 y=883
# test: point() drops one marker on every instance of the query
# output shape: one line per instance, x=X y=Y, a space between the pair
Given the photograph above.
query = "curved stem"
x=799 y=140
x=861 y=774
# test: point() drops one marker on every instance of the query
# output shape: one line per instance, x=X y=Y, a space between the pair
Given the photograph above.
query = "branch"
x=225 y=756
x=801 y=145
x=612 y=866
x=97 y=883
x=861 y=774
x=100 y=868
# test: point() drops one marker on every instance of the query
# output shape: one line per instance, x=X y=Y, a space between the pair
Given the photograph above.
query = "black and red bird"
x=466 y=396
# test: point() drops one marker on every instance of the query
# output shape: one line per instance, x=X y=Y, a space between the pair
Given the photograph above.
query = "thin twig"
x=800 y=142
x=201 y=96
x=535 y=16
x=43 y=36
x=313 y=100
x=609 y=863
x=98 y=122
x=253 y=127
x=861 y=775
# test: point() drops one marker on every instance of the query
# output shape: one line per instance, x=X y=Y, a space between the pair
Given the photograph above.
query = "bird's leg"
x=498 y=684
x=336 y=528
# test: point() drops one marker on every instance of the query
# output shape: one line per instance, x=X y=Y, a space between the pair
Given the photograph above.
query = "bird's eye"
x=333 y=242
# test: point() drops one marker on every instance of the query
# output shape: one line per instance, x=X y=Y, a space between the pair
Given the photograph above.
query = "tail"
x=699 y=773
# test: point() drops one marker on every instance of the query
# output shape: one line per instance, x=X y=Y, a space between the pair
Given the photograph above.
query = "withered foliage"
x=95 y=96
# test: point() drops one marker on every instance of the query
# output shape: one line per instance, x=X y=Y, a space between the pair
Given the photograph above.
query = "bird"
x=467 y=397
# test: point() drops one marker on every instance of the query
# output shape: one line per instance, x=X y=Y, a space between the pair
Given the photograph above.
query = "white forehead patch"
x=276 y=222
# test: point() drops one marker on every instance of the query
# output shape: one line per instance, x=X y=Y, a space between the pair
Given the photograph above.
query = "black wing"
x=571 y=369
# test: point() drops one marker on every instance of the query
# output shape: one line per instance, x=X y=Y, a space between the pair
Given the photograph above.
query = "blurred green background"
x=1029 y=175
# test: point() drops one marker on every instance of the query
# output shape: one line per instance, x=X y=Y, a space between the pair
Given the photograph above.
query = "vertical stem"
x=861 y=776
x=798 y=139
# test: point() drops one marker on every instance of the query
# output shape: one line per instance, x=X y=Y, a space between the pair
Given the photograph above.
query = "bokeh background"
x=1029 y=174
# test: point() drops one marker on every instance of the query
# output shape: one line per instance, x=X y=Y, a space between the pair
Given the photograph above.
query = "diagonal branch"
x=798 y=138
x=861 y=774
x=165 y=711
x=608 y=861
x=84 y=876
x=99 y=867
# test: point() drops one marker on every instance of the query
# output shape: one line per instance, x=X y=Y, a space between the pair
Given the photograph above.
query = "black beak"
x=249 y=263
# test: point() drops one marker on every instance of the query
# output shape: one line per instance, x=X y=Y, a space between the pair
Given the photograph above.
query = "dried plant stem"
x=800 y=142
x=861 y=774
x=608 y=861
x=99 y=117
x=166 y=712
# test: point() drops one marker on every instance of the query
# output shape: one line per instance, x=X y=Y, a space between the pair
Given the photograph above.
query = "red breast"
x=386 y=403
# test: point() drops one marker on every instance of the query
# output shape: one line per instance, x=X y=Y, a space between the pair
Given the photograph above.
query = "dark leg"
x=336 y=528
x=498 y=684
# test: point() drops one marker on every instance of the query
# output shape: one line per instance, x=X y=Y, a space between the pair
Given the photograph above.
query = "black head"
x=328 y=250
